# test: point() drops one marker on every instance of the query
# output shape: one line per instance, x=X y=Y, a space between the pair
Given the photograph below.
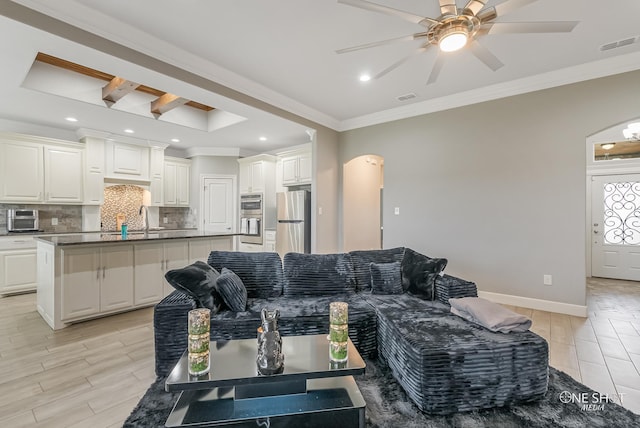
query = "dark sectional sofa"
x=444 y=363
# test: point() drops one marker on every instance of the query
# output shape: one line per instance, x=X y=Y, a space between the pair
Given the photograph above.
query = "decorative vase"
x=338 y=331
x=198 y=343
x=270 y=358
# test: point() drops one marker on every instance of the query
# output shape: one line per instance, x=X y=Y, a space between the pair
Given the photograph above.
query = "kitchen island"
x=90 y=275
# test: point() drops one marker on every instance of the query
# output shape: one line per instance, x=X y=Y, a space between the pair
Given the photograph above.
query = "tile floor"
x=94 y=373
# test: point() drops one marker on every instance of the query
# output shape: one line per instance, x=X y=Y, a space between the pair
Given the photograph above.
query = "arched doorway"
x=363 y=179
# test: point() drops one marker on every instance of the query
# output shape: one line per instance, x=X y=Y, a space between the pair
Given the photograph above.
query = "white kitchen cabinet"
x=64 y=175
x=177 y=177
x=40 y=170
x=270 y=241
x=250 y=248
x=151 y=262
x=199 y=249
x=148 y=273
x=21 y=171
x=156 y=175
x=126 y=161
x=116 y=286
x=176 y=256
x=96 y=280
x=257 y=174
x=80 y=291
x=296 y=169
x=94 y=171
x=17 y=274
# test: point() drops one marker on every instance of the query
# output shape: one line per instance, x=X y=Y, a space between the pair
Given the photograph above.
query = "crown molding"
x=592 y=70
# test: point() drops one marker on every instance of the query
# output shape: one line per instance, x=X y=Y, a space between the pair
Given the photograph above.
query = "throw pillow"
x=386 y=278
x=419 y=273
x=199 y=281
x=232 y=290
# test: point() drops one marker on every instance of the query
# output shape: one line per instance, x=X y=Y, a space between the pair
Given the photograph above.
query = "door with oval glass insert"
x=615 y=228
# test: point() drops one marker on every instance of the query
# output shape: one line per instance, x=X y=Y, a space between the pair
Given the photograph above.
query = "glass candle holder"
x=198 y=343
x=338 y=331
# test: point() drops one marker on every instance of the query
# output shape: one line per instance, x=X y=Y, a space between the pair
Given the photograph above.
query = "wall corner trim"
x=531 y=303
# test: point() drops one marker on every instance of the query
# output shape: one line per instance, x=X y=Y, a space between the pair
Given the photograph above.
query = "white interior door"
x=615 y=228
x=218 y=203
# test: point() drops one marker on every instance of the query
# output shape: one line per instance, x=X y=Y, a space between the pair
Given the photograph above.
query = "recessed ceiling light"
x=175 y=140
x=263 y=138
x=71 y=119
x=129 y=131
x=365 y=77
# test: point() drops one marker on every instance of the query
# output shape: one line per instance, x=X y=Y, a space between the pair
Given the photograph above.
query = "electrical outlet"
x=165 y=220
x=396 y=210
x=54 y=221
x=547 y=280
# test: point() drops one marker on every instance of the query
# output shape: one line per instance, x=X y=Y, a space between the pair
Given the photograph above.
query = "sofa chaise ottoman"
x=446 y=364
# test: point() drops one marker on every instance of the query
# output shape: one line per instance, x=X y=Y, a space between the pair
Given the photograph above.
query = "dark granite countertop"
x=133 y=236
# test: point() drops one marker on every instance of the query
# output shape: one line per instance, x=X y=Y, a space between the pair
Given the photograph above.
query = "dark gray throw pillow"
x=386 y=278
x=232 y=290
x=199 y=281
x=419 y=273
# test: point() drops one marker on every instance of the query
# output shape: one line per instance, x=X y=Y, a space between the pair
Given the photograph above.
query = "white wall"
x=498 y=188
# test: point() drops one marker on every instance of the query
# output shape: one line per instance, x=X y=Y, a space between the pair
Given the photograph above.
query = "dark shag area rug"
x=388 y=406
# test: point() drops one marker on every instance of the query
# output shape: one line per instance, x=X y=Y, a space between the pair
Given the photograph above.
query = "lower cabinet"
x=17 y=274
x=96 y=280
x=79 y=282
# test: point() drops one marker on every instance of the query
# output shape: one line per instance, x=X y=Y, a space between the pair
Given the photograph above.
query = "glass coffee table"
x=312 y=391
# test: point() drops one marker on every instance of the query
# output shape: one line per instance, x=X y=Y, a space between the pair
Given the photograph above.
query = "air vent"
x=619 y=43
x=406 y=97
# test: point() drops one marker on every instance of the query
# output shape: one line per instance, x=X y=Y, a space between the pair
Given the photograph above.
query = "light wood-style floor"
x=93 y=374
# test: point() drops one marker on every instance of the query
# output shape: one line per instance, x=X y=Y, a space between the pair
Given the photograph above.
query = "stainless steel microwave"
x=22 y=220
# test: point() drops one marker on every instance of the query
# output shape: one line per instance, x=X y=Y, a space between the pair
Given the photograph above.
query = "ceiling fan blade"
x=448 y=7
x=400 y=62
x=511 y=5
x=379 y=43
x=435 y=70
x=366 y=5
x=474 y=6
x=529 y=27
x=485 y=55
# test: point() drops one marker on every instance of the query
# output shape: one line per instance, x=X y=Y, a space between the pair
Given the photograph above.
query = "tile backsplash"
x=69 y=217
x=122 y=199
x=177 y=218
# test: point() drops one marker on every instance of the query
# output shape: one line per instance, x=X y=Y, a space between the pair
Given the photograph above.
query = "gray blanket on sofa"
x=488 y=314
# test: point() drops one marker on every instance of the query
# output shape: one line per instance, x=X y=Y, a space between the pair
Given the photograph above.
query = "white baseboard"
x=542 y=305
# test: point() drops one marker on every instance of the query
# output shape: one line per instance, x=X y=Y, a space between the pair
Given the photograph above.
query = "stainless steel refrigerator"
x=293 y=229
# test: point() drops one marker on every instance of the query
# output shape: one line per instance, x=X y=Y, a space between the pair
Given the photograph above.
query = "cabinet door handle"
x=98 y=273
x=104 y=271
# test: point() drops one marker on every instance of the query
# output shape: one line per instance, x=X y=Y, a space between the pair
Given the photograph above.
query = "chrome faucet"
x=146 y=217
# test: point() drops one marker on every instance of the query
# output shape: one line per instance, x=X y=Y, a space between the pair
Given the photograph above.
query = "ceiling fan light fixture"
x=632 y=131
x=453 y=38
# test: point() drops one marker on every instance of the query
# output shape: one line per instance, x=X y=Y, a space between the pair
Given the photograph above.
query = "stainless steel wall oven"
x=251 y=212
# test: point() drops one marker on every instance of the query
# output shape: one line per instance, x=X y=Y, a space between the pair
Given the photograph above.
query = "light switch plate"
x=396 y=210
x=54 y=221
x=547 y=280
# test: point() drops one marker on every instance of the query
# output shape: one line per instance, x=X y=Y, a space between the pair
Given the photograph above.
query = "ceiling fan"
x=456 y=28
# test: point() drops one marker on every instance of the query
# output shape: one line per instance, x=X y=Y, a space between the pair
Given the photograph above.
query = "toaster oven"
x=22 y=220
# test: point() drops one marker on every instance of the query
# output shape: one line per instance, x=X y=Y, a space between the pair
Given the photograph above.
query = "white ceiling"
x=283 y=52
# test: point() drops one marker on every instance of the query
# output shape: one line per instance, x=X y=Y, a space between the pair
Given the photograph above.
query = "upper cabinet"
x=156 y=175
x=127 y=161
x=40 y=170
x=257 y=173
x=295 y=167
x=177 y=177
x=21 y=171
x=94 y=171
x=63 y=175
